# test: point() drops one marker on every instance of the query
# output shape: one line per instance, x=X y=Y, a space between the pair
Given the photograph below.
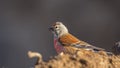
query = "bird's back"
x=70 y=40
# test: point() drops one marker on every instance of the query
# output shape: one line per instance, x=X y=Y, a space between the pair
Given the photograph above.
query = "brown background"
x=24 y=26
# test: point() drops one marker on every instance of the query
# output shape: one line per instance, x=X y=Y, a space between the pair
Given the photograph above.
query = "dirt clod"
x=83 y=59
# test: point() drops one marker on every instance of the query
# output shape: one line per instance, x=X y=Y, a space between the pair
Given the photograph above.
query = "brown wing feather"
x=69 y=39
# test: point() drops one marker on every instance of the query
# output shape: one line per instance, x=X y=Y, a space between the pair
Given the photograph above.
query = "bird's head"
x=58 y=29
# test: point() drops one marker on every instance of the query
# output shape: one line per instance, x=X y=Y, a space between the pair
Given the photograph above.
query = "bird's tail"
x=89 y=47
x=95 y=48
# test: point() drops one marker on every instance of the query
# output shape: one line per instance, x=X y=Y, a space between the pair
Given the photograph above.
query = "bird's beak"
x=51 y=29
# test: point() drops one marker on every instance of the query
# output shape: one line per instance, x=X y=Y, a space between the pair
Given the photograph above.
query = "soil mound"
x=83 y=59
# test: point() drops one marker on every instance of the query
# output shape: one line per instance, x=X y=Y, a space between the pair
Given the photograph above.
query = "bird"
x=69 y=42
x=58 y=47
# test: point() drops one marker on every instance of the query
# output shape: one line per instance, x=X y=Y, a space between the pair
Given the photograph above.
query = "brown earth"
x=83 y=59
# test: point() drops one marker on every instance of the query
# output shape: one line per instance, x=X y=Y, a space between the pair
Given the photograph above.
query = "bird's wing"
x=88 y=46
x=68 y=39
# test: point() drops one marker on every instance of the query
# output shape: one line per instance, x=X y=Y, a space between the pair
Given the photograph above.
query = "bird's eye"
x=56 y=27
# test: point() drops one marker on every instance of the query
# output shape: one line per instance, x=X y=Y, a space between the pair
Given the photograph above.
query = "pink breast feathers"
x=58 y=47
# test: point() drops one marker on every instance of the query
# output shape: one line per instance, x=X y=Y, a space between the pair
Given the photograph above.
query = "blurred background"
x=24 y=26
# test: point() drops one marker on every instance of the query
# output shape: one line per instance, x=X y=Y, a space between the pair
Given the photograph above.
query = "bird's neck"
x=63 y=34
x=62 y=31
